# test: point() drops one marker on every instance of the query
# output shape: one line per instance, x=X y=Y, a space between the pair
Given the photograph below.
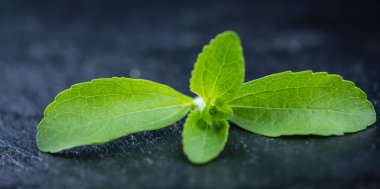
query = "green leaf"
x=105 y=109
x=302 y=103
x=219 y=70
x=203 y=142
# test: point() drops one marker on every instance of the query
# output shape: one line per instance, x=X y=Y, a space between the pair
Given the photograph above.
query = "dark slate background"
x=46 y=46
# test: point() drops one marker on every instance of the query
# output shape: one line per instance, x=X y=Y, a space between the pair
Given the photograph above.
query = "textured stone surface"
x=45 y=47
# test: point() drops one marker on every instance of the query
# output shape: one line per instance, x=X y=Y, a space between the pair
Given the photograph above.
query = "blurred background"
x=46 y=46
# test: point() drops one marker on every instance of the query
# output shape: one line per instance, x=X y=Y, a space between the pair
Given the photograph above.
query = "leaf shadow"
x=248 y=145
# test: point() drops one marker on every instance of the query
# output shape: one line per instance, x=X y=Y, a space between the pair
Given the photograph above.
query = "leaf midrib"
x=221 y=67
x=127 y=113
x=204 y=142
x=298 y=109
x=278 y=90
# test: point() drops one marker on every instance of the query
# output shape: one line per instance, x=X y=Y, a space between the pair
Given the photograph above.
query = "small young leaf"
x=302 y=103
x=219 y=70
x=221 y=112
x=203 y=142
x=217 y=112
x=105 y=109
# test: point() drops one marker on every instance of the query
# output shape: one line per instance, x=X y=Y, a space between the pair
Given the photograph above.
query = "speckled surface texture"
x=47 y=46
